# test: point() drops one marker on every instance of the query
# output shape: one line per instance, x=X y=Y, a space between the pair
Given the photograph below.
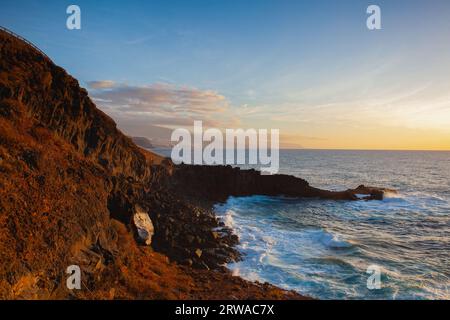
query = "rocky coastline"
x=76 y=190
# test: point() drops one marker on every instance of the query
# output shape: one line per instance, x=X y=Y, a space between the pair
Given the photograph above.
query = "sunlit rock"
x=144 y=225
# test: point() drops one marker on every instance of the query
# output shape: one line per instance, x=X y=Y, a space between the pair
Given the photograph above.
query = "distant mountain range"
x=142 y=142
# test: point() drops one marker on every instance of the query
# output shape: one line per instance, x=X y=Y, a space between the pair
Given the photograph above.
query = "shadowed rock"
x=217 y=183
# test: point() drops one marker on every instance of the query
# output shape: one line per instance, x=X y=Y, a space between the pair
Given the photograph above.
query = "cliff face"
x=55 y=100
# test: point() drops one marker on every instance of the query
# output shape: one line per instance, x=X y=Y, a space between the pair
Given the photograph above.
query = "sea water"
x=323 y=248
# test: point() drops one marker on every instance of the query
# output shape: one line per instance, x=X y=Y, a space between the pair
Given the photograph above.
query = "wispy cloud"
x=162 y=104
x=103 y=84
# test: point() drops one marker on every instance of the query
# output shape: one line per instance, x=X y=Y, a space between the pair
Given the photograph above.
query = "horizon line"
x=336 y=149
x=349 y=149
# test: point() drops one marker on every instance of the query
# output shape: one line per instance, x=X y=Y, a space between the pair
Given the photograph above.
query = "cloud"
x=162 y=104
x=164 y=98
x=103 y=84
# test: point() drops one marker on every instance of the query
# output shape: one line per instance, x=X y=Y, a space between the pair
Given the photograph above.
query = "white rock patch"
x=143 y=225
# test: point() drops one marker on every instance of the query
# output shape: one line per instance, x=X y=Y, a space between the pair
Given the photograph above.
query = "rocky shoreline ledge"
x=75 y=190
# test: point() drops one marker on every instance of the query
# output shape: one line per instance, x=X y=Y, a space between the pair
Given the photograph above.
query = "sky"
x=311 y=69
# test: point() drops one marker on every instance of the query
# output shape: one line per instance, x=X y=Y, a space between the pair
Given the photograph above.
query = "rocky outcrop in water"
x=217 y=183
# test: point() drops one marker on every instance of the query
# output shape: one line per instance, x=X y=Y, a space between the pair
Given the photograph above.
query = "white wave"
x=393 y=195
x=332 y=240
x=228 y=219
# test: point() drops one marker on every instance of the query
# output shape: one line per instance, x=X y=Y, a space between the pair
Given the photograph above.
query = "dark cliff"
x=217 y=183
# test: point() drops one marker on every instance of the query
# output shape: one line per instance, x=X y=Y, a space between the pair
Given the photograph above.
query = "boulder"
x=144 y=225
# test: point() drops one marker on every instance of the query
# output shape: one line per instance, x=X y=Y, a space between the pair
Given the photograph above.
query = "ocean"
x=324 y=248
